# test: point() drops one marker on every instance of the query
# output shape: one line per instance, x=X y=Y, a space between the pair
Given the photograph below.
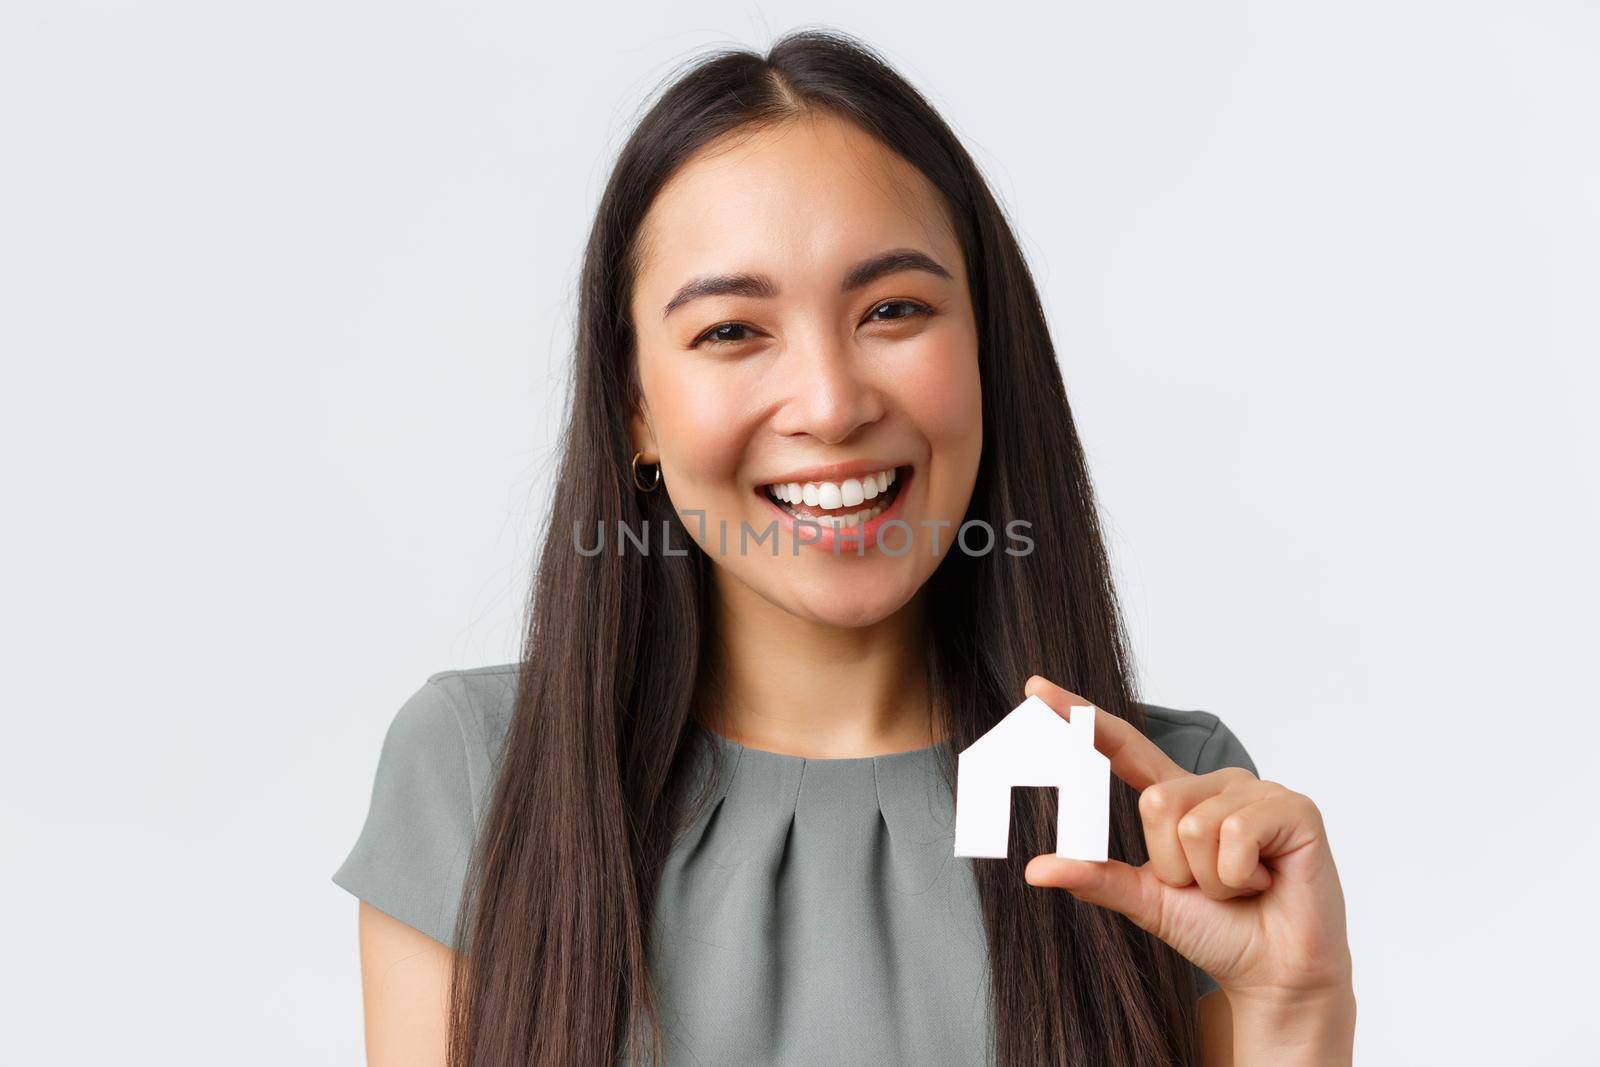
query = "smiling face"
x=808 y=358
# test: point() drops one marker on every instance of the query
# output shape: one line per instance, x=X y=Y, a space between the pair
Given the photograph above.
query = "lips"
x=847 y=502
x=832 y=524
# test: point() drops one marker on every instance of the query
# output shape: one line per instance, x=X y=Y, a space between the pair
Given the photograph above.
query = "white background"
x=285 y=309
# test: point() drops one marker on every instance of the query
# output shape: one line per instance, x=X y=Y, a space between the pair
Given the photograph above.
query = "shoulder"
x=1198 y=741
x=432 y=782
x=479 y=702
x=456 y=722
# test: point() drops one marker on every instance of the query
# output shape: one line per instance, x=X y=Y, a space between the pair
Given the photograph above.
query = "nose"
x=828 y=394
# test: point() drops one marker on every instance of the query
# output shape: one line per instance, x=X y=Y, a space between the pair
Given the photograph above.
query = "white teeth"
x=835 y=496
x=854 y=518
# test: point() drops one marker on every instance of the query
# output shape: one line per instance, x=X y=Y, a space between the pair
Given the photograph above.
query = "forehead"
x=811 y=194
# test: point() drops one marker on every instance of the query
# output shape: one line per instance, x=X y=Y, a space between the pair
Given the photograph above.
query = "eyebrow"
x=760 y=285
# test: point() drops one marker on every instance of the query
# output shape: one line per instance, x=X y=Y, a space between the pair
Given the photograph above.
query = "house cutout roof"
x=1035 y=746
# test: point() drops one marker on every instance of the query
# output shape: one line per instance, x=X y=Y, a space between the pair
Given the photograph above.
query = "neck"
x=791 y=685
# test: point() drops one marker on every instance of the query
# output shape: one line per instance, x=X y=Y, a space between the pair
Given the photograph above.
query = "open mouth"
x=842 y=504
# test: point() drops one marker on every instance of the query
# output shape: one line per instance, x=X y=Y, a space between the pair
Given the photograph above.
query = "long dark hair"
x=553 y=935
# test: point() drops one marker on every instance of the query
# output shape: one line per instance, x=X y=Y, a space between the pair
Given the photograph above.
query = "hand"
x=1240 y=880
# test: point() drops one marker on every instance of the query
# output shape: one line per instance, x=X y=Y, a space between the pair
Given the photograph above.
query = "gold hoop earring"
x=653 y=486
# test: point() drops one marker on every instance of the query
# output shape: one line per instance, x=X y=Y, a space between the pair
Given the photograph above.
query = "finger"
x=1134 y=758
x=1163 y=804
x=1272 y=826
x=1200 y=832
x=1131 y=891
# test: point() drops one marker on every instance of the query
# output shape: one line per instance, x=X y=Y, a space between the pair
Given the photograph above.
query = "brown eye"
x=913 y=307
x=716 y=337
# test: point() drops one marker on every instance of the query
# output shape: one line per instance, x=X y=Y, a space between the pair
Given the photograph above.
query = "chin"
x=847 y=606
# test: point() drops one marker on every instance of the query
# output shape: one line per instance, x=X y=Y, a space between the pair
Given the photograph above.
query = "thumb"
x=1131 y=891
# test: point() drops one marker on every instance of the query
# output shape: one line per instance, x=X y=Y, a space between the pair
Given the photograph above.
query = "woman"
x=708 y=815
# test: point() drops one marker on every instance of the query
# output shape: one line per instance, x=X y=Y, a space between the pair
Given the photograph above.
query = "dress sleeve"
x=1221 y=749
x=410 y=859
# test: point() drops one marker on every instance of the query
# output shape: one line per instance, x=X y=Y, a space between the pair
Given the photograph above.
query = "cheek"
x=699 y=425
x=942 y=394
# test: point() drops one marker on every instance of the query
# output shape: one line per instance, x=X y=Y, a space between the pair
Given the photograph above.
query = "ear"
x=641 y=434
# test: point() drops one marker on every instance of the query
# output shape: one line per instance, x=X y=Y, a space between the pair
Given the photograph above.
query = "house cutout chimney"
x=1033 y=745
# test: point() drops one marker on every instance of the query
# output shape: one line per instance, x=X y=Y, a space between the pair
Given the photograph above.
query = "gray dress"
x=813 y=913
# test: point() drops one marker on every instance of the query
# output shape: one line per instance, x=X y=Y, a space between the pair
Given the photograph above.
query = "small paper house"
x=1033 y=745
